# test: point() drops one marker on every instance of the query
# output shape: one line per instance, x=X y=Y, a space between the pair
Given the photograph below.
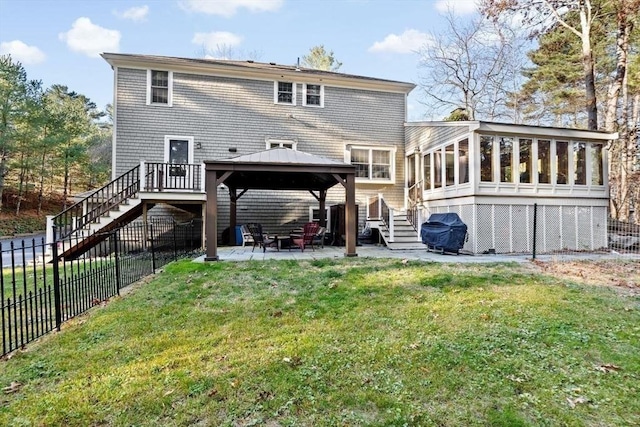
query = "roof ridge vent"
x=250 y=61
x=272 y=63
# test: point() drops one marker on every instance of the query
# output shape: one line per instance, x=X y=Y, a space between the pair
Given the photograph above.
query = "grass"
x=346 y=342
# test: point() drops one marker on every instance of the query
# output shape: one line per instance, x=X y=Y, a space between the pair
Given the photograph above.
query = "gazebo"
x=277 y=169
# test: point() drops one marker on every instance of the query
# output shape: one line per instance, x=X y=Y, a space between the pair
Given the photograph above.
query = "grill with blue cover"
x=444 y=232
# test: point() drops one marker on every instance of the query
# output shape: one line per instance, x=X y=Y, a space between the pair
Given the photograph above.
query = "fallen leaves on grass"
x=576 y=401
x=608 y=367
x=14 y=387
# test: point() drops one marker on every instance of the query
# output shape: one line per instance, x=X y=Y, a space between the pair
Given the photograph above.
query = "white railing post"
x=367 y=202
x=419 y=221
x=379 y=205
x=142 y=177
x=48 y=239
x=391 y=225
x=203 y=172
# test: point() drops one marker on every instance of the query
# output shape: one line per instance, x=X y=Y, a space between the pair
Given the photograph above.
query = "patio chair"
x=246 y=235
x=260 y=239
x=318 y=239
x=309 y=231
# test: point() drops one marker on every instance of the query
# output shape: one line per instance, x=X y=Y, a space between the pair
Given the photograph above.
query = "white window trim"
x=281 y=142
x=169 y=92
x=294 y=85
x=304 y=96
x=392 y=171
x=168 y=138
x=327 y=216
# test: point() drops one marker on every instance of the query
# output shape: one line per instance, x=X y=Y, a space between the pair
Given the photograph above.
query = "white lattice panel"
x=502 y=227
x=520 y=226
x=568 y=227
x=484 y=231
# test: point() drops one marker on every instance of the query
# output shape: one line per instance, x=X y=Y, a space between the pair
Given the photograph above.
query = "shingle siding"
x=429 y=136
x=222 y=113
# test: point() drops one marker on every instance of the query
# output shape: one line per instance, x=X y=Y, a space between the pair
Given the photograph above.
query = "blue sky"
x=59 y=41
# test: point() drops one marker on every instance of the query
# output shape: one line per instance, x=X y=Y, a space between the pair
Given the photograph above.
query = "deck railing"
x=91 y=208
x=172 y=176
x=387 y=217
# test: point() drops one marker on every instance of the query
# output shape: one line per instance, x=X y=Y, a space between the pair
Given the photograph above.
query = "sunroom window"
x=562 y=160
x=450 y=166
x=486 y=158
x=506 y=159
x=596 y=165
x=580 y=163
x=426 y=172
x=526 y=160
x=463 y=161
x=544 y=161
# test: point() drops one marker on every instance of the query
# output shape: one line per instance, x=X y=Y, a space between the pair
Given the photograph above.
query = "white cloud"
x=90 y=39
x=228 y=8
x=408 y=42
x=458 y=7
x=135 y=14
x=216 y=39
x=22 y=52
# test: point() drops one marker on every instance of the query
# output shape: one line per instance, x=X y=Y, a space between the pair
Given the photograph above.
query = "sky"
x=60 y=41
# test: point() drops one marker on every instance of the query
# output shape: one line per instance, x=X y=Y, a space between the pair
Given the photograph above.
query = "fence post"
x=535 y=228
x=114 y=239
x=175 y=242
x=56 y=282
x=153 y=249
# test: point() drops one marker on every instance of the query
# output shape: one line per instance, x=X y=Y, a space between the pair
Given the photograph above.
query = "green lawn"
x=338 y=342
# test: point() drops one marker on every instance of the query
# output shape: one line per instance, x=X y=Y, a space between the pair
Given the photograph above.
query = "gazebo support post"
x=233 y=209
x=211 y=223
x=322 y=214
x=350 y=216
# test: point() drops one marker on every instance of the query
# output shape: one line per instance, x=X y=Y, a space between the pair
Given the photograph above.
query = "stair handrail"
x=387 y=217
x=96 y=204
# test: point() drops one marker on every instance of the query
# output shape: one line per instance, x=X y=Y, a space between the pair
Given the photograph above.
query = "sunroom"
x=494 y=175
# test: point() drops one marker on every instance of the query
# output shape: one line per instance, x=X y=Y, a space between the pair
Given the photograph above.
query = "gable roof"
x=255 y=70
x=282 y=155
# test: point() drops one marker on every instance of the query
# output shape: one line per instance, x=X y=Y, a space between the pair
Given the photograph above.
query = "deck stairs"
x=405 y=236
x=90 y=221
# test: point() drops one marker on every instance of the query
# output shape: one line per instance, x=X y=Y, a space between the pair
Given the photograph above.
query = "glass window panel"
x=463 y=161
x=437 y=169
x=285 y=92
x=544 y=161
x=562 y=158
x=596 y=165
x=486 y=158
x=313 y=94
x=450 y=168
x=159 y=95
x=580 y=163
x=178 y=151
x=411 y=171
x=506 y=159
x=381 y=164
x=360 y=159
x=160 y=79
x=426 y=165
x=524 y=167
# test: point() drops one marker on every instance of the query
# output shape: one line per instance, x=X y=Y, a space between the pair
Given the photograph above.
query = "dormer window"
x=284 y=93
x=313 y=95
x=159 y=87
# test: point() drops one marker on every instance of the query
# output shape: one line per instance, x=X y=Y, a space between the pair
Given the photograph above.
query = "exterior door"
x=179 y=167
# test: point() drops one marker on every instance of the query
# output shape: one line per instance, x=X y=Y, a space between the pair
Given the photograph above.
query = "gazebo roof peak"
x=283 y=156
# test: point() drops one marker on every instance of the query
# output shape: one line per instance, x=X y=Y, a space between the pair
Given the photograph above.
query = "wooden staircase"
x=405 y=237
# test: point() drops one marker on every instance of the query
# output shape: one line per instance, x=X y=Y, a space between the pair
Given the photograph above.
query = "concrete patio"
x=239 y=253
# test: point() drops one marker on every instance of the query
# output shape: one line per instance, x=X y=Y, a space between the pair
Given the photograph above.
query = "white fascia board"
x=537 y=131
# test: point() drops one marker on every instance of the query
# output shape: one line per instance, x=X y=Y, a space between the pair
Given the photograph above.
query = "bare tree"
x=473 y=66
x=225 y=51
x=542 y=15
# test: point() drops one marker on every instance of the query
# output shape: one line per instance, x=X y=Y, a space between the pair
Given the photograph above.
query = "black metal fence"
x=38 y=293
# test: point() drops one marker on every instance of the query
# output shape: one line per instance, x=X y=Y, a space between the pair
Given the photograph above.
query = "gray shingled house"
x=177 y=120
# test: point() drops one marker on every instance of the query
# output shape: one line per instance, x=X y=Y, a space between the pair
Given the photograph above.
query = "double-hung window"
x=373 y=164
x=159 y=87
x=284 y=93
x=313 y=95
